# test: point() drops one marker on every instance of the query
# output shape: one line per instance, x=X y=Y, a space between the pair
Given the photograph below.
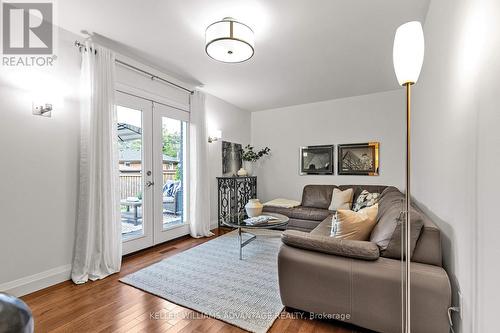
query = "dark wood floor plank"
x=108 y=305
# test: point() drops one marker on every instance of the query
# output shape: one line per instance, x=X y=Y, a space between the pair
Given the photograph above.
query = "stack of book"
x=259 y=219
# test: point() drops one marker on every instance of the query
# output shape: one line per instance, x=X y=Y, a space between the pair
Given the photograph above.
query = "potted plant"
x=250 y=156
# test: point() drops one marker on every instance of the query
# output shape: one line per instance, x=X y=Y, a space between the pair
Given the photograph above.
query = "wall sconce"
x=214 y=136
x=42 y=109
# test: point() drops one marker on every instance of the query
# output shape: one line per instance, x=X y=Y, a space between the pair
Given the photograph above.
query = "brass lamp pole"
x=408 y=57
x=407 y=208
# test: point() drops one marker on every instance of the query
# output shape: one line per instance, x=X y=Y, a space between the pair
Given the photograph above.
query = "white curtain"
x=199 y=203
x=98 y=248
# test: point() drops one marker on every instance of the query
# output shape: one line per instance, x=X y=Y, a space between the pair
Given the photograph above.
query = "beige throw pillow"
x=355 y=225
x=341 y=199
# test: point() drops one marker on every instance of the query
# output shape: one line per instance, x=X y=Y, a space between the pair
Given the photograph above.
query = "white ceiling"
x=305 y=51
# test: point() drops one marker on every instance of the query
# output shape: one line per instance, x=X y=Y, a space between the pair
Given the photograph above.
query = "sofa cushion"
x=355 y=225
x=387 y=232
x=341 y=199
x=369 y=291
x=341 y=247
x=301 y=213
x=168 y=188
x=428 y=249
x=302 y=225
x=324 y=228
x=317 y=196
x=306 y=213
x=280 y=210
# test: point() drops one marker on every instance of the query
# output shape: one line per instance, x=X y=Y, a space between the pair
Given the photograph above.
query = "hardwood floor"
x=111 y=306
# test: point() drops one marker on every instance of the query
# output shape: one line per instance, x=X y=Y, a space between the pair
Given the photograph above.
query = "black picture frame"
x=317 y=160
x=231 y=158
x=359 y=159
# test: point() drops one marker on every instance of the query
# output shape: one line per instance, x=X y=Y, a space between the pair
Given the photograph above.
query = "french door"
x=153 y=158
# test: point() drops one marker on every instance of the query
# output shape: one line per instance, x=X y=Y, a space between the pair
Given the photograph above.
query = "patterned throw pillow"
x=365 y=199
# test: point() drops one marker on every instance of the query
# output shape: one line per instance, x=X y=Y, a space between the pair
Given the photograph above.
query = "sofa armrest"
x=325 y=244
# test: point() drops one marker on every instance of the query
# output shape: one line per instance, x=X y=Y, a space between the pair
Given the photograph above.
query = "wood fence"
x=131 y=183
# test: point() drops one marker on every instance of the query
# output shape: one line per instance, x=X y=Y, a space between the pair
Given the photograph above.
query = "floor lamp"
x=408 y=57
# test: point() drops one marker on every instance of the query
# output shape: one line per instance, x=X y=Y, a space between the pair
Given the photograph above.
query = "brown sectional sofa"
x=353 y=279
x=314 y=205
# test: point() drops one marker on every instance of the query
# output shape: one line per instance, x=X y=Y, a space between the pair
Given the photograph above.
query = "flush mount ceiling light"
x=229 y=41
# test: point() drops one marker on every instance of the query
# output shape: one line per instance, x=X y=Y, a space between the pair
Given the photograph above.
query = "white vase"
x=254 y=207
x=248 y=167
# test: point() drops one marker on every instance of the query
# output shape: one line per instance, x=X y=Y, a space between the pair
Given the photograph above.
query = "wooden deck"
x=128 y=222
x=111 y=306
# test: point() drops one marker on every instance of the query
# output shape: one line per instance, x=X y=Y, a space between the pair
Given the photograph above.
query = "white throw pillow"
x=341 y=199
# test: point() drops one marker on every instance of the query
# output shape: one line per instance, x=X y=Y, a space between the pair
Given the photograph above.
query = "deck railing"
x=131 y=183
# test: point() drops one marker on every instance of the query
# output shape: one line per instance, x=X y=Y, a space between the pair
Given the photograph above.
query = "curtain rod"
x=153 y=76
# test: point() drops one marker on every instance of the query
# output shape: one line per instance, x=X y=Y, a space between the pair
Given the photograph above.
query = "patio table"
x=134 y=204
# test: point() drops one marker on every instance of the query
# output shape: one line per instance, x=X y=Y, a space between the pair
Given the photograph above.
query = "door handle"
x=149 y=183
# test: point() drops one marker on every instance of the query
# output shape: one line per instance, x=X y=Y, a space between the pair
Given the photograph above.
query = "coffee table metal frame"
x=240 y=225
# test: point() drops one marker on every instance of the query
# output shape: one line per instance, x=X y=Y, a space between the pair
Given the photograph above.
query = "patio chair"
x=172 y=197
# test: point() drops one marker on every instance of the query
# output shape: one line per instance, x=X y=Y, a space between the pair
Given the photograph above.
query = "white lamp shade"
x=229 y=41
x=408 y=52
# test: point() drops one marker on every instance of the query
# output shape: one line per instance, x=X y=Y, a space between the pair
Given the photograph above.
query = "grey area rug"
x=210 y=279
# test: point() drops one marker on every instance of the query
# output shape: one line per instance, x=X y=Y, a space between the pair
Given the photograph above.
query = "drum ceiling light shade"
x=408 y=52
x=229 y=41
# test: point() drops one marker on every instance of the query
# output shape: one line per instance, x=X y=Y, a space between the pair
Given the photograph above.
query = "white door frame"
x=161 y=235
x=152 y=159
x=146 y=240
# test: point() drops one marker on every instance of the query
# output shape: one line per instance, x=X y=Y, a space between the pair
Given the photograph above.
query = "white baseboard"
x=32 y=283
x=38 y=281
x=214 y=224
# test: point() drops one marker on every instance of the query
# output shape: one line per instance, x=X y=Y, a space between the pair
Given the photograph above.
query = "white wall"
x=375 y=117
x=39 y=170
x=455 y=149
x=235 y=126
x=488 y=181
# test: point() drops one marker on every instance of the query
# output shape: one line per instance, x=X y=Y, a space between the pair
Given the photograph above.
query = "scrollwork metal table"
x=233 y=195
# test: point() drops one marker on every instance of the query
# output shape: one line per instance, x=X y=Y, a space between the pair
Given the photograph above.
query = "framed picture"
x=231 y=158
x=359 y=159
x=316 y=160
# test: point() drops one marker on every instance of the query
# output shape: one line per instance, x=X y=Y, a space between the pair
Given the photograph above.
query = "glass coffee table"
x=238 y=222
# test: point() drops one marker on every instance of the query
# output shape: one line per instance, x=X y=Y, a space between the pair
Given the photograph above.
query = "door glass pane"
x=129 y=123
x=174 y=143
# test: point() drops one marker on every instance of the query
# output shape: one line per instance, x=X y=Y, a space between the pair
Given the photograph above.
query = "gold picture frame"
x=359 y=159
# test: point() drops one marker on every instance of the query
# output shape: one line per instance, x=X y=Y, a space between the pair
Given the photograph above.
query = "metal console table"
x=233 y=195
